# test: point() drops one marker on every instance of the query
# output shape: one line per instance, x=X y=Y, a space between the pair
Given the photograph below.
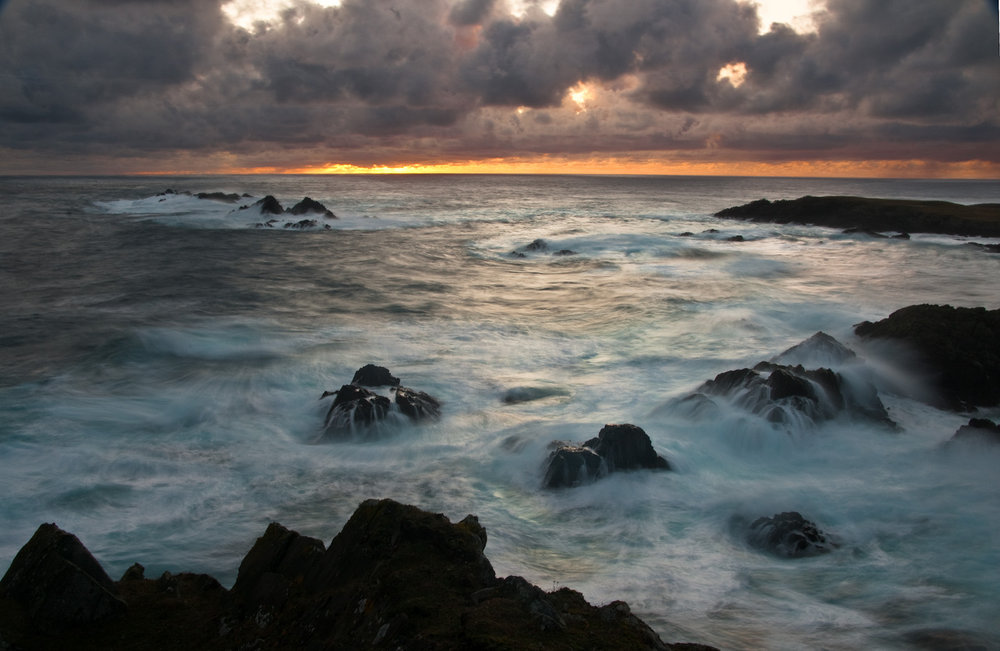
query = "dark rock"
x=736 y=238
x=269 y=206
x=302 y=224
x=394 y=577
x=978 y=430
x=821 y=349
x=58 y=583
x=354 y=409
x=537 y=245
x=564 y=252
x=308 y=206
x=626 y=447
x=417 y=405
x=219 y=196
x=572 y=465
x=134 y=573
x=960 y=347
x=788 y=535
x=517 y=395
x=784 y=394
x=877 y=215
x=370 y=375
x=616 y=448
x=278 y=560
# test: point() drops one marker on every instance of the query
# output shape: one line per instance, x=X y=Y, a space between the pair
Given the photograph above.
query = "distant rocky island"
x=876 y=215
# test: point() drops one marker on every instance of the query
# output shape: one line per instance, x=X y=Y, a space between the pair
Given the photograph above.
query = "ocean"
x=162 y=362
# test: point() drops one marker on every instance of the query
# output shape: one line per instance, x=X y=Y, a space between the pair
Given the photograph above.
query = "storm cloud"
x=389 y=81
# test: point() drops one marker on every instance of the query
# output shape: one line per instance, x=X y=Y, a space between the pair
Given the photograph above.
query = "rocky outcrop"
x=978 y=430
x=960 y=348
x=788 y=535
x=311 y=207
x=876 y=215
x=271 y=206
x=58 y=583
x=395 y=577
x=358 y=410
x=793 y=395
x=616 y=448
x=371 y=375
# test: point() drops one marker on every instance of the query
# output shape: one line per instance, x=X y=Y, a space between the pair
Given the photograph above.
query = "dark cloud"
x=372 y=78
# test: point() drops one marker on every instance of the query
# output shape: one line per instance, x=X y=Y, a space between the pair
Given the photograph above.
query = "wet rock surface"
x=959 y=346
x=358 y=411
x=786 y=393
x=395 y=577
x=615 y=448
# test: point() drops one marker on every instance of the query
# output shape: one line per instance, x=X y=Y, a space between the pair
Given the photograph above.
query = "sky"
x=893 y=88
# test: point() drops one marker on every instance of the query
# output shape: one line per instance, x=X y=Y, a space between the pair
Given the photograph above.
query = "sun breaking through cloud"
x=416 y=84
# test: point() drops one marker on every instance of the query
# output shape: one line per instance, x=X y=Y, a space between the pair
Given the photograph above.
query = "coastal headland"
x=878 y=215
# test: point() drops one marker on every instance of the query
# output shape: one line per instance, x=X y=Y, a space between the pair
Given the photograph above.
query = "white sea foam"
x=173 y=437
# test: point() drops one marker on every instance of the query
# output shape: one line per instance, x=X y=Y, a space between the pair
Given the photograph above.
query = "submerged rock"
x=959 y=346
x=395 y=577
x=616 y=447
x=788 y=535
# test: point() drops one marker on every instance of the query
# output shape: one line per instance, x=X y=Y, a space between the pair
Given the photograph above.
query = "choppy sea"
x=162 y=362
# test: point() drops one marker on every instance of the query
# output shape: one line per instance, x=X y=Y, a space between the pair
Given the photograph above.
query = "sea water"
x=162 y=361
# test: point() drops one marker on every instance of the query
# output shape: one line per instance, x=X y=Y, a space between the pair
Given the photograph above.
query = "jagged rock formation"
x=357 y=410
x=960 y=347
x=616 y=447
x=395 y=577
x=878 y=215
x=793 y=395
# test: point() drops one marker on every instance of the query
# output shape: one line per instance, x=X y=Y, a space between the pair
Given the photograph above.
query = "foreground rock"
x=788 y=535
x=792 y=395
x=58 y=583
x=616 y=447
x=358 y=411
x=899 y=215
x=960 y=348
x=395 y=577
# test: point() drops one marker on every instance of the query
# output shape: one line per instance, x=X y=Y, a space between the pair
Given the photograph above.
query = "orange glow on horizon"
x=974 y=169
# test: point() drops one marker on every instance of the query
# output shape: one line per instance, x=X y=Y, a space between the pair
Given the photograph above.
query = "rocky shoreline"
x=395 y=577
x=875 y=216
